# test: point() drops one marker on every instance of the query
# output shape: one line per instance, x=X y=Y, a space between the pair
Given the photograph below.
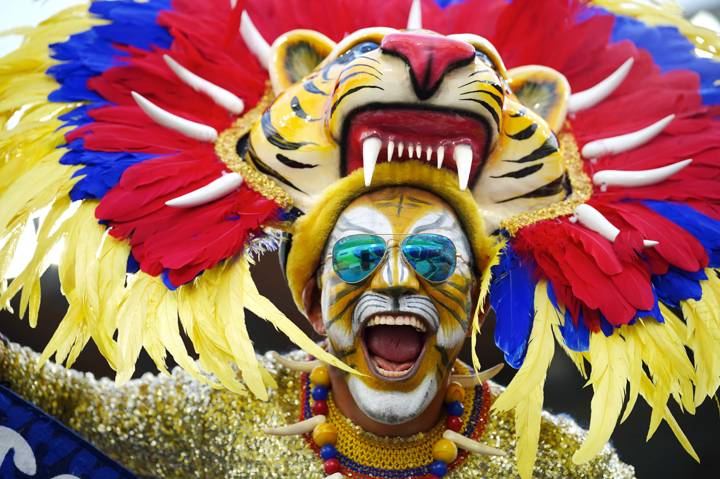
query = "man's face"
x=403 y=324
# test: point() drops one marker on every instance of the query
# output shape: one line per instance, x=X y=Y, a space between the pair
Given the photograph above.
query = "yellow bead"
x=445 y=450
x=455 y=392
x=324 y=433
x=320 y=376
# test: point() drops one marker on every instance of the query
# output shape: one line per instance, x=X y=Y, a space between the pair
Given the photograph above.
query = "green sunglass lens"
x=431 y=255
x=356 y=257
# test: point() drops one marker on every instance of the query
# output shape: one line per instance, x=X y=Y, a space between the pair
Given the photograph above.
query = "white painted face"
x=400 y=329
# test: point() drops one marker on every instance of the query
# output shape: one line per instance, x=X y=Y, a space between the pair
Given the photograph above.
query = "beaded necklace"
x=347 y=449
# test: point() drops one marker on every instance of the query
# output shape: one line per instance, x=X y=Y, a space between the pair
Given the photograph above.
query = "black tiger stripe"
x=310 y=87
x=487 y=106
x=497 y=99
x=299 y=110
x=549 y=189
x=350 y=92
x=487 y=82
x=263 y=168
x=289 y=162
x=549 y=147
x=522 y=173
x=369 y=58
x=346 y=78
x=517 y=114
x=275 y=138
x=362 y=65
x=525 y=133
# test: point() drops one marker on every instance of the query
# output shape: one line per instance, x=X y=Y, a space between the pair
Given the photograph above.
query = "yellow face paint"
x=398 y=328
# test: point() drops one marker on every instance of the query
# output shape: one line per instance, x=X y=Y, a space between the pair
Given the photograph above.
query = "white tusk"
x=440 y=156
x=629 y=141
x=594 y=220
x=472 y=380
x=472 y=446
x=428 y=153
x=337 y=475
x=371 y=150
x=401 y=147
x=415 y=16
x=296 y=429
x=214 y=190
x=418 y=150
x=462 y=154
x=191 y=129
x=390 y=150
x=303 y=366
x=219 y=95
x=592 y=96
x=607 y=178
x=254 y=40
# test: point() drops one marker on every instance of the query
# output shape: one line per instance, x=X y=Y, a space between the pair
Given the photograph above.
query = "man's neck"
x=347 y=405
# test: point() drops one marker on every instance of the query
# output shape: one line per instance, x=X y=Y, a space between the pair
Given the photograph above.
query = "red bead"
x=331 y=466
x=320 y=407
x=454 y=423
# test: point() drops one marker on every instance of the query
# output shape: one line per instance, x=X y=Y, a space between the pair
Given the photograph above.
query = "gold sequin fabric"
x=172 y=427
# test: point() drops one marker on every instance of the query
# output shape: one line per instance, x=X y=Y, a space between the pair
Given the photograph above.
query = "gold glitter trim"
x=225 y=149
x=580 y=182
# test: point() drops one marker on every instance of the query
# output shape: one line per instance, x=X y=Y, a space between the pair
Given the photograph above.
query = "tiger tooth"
x=428 y=153
x=401 y=147
x=440 y=156
x=371 y=150
x=462 y=155
x=390 y=150
x=411 y=150
x=418 y=150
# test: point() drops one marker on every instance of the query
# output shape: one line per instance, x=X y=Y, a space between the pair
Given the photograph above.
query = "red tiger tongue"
x=398 y=344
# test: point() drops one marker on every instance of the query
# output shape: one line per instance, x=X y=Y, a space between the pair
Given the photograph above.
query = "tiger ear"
x=294 y=55
x=543 y=90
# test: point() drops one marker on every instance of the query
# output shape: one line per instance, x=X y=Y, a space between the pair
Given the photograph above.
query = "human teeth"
x=401 y=147
x=390 y=374
x=440 y=156
x=390 y=149
x=418 y=150
x=371 y=150
x=462 y=155
x=397 y=321
x=428 y=153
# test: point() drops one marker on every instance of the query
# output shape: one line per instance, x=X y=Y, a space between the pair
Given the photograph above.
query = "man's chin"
x=391 y=406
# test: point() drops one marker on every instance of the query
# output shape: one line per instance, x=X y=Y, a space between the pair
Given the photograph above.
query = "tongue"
x=394 y=344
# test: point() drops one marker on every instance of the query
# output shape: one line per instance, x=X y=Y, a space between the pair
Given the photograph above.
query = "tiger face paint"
x=400 y=329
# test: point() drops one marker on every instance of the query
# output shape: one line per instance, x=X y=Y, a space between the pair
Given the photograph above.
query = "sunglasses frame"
x=399 y=245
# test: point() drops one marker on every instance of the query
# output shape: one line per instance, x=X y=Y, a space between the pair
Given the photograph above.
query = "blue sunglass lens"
x=356 y=257
x=432 y=256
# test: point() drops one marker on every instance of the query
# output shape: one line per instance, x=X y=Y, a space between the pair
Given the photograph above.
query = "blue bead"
x=438 y=468
x=328 y=451
x=455 y=408
x=320 y=393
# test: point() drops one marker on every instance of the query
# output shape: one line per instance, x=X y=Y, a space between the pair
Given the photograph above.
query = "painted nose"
x=429 y=58
x=395 y=275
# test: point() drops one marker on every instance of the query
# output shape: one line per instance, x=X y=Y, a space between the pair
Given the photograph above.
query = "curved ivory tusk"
x=296 y=429
x=594 y=220
x=607 y=178
x=415 y=16
x=592 y=96
x=191 y=129
x=254 y=40
x=303 y=366
x=472 y=446
x=208 y=193
x=472 y=380
x=629 y=141
x=337 y=475
x=219 y=95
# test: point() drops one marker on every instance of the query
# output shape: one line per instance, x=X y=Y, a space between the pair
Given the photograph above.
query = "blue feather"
x=705 y=229
x=654 y=312
x=577 y=338
x=512 y=291
x=678 y=285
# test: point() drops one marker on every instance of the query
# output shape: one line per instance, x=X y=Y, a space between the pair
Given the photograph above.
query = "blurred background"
x=661 y=457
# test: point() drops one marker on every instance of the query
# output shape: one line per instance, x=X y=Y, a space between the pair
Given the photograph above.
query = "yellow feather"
x=577 y=358
x=608 y=377
x=528 y=414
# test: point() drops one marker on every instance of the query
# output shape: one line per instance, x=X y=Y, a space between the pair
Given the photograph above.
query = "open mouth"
x=394 y=344
x=445 y=139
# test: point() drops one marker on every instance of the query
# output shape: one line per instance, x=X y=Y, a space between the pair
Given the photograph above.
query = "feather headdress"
x=113 y=115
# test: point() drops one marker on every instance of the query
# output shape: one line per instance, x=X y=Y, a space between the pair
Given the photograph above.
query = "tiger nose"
x=429 y=57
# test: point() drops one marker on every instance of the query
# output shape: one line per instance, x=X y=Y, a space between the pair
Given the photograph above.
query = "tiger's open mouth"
x=446 y=139
x=394 y=344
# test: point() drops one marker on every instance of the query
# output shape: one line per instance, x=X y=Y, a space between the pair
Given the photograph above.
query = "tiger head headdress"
x=167 y=153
